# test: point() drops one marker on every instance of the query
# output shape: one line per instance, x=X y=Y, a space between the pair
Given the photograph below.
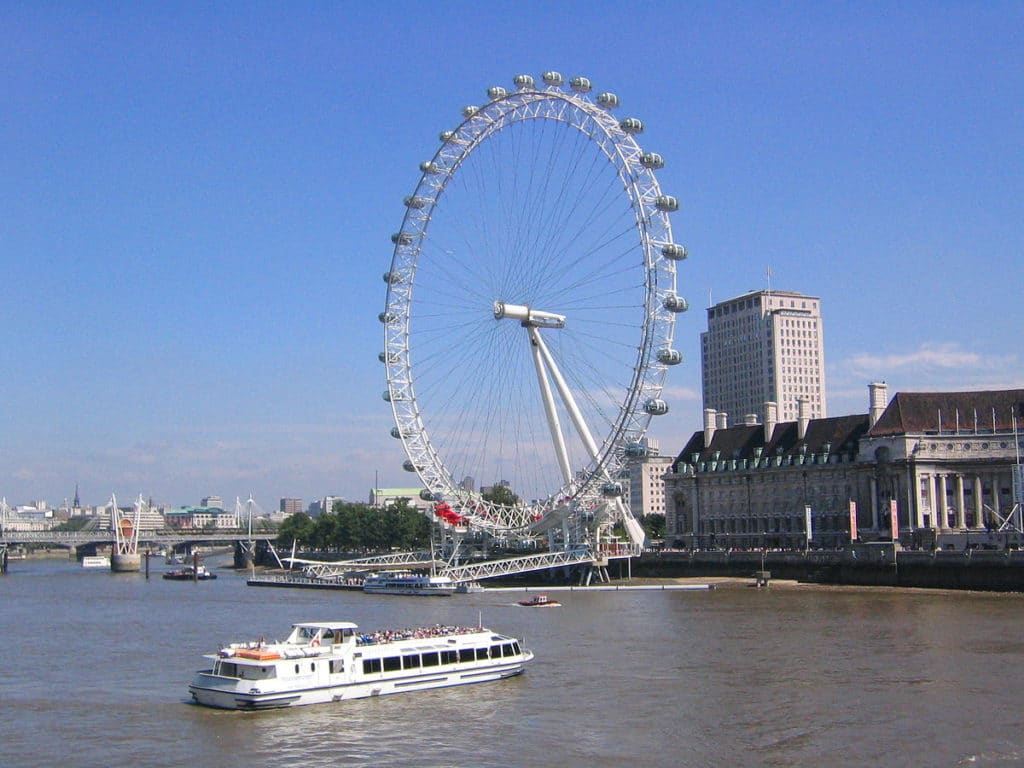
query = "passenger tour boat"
x=334 y=661
x=95 y=561
x=407 y=583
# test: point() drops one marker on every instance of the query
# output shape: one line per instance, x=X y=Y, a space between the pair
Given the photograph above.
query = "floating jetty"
x=306 y=582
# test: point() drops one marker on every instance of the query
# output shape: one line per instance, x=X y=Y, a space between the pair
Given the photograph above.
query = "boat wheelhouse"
x=333 y=661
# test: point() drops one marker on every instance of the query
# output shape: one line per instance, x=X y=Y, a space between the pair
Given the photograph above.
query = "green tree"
x=500 y=494
x=654 y=526
x=297 y=528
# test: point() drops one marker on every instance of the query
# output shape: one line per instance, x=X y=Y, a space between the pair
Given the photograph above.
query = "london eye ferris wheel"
x=530 y=307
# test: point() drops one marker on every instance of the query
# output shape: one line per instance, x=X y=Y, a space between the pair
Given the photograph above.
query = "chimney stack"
x=803 y=409
x=750 y=420
x=709 y=426
x=771 y=418
x=722 y=420
x=878 y=396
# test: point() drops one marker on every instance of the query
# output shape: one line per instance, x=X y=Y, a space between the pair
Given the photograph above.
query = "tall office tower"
x=765 y=346
x=291 y=506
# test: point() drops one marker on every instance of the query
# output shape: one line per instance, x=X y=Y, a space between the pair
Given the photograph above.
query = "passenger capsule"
x=674 y=303
x=496 y=92
x=522 y=82
x=632 y=126
x=408 y=466
x=384 y=357
x=552 y=78
x=446 y=136
x=386 y=396
x=611 y=490
x=426 y=494
x=635 y=450
x=673 y=251
x=608 y=100
x=393 y=278
x=656 y=407
x=396 y=433
x=387 y=317
x=669 y=356
x=402 y=238
x=652 y=160
x=469 y=111
x=430 y=167
x=580 y=84
x=666 y=203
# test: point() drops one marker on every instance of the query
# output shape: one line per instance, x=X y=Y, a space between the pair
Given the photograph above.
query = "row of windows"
x=438 y=658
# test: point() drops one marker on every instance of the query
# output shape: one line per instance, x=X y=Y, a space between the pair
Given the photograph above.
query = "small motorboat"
x=190 y=573
x=540 y=601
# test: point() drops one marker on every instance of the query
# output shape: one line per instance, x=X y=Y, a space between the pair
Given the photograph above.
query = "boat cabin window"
x=515 y=648
x=412 y=661
x=495 y=651
x=392 y=663
x=431 y=659
x=337 y=666
x=449 y=657
x=226 y=669
x=481 y=654
x=371 y=665
x=506 y=650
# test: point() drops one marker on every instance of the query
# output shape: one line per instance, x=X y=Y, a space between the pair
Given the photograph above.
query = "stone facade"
x=749 y=486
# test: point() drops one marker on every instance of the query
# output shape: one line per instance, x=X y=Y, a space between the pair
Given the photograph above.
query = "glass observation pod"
x=673 y=251
x=415 y=202
x=496 y=92
x=666 y=203
x=522 y=82
x=669 y=356
x=429 y=167
x=401 y=238
x=552 y=78
x=445 y=136
x=384 y=357
x=580 y=84
x=392 y=278
x=632 y=126
x=674 y=303
x=426 y=495
x=397 y=433
x=652 y=161
x=468 y=112
x=408 y=466
x=635 y=450
x=656 y=407
x=387 y=317
x=608 y=100
x=611 y=490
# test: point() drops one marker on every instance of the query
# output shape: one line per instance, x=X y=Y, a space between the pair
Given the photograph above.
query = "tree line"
x=352 y=527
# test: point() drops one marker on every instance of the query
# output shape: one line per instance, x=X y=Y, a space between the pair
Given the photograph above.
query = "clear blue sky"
x=196 y=202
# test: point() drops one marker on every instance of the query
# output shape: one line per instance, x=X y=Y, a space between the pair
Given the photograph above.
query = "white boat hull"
x=208 y=690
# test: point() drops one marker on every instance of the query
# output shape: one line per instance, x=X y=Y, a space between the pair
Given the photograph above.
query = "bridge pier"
x=3 y=559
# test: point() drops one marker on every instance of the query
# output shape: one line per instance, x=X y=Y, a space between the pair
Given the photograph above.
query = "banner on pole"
x=807 y=521
x=853 y=521
x=894 y=519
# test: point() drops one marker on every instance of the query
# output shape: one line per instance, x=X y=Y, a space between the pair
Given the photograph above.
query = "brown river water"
x=96 y=665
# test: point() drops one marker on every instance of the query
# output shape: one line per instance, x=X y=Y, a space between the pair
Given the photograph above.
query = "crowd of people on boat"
x=421 y=633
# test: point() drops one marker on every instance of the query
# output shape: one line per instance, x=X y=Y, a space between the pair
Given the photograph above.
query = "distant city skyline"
x=198 y=205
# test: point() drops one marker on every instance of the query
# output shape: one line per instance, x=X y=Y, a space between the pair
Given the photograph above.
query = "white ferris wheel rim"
x=654 y=354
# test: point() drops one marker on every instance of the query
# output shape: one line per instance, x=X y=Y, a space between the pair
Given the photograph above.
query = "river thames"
x=96 y=669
